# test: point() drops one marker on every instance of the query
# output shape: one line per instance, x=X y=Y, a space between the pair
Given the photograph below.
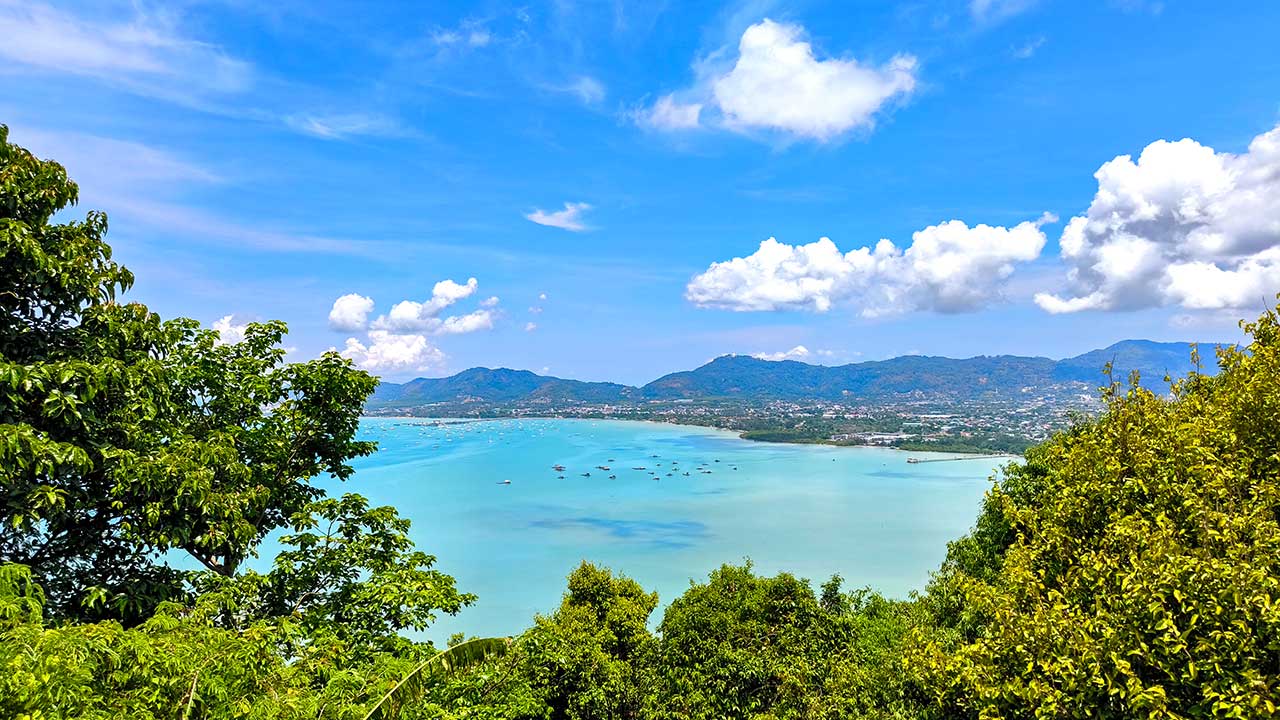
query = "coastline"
x=739 y=434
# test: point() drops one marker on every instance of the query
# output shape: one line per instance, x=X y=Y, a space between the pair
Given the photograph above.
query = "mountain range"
x=747 y=377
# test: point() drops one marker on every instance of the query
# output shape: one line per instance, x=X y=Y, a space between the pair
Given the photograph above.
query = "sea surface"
x=808 y=509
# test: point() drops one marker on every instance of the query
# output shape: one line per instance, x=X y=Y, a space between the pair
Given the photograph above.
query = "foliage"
x=122 y=436
x=413 y=686
x=586 y=659
x=1132 y=567
x=348 y=581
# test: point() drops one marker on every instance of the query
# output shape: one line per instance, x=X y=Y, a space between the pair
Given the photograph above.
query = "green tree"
x=1131 y=568
x=588 y=658
x=122 y=436
x=346 y=583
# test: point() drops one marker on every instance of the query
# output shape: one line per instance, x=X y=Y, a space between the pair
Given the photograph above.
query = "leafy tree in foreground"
x=1131 y=568
x=122 y=436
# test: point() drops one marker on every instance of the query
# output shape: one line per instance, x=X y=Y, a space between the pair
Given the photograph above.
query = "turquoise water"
x=811 y=510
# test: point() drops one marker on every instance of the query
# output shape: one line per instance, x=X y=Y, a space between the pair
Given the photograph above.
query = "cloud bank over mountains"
x=1183 y=226
x=949 y=267
x=398 y=340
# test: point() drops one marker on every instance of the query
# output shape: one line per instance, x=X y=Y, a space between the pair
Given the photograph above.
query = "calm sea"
x=704 y=498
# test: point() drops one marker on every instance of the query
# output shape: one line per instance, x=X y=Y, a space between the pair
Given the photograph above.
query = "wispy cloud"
x=1028 y=49
x=146 y=54
x=343 y=125
x=145 y=185
x=996 y=10
x=570 y=218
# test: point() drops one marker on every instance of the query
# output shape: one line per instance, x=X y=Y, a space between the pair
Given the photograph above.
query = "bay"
x=704 y=498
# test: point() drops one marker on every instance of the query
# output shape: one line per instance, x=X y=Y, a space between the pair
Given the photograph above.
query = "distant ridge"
x=743 y=376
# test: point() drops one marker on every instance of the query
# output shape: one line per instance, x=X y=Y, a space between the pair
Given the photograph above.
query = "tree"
x=345 y=584
x=588 y=658
x=122 y=436
x=1132 y=568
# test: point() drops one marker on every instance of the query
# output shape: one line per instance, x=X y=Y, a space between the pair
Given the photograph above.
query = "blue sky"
x=609 y=170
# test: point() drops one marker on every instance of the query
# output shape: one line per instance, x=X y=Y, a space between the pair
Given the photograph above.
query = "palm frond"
x=459 y=657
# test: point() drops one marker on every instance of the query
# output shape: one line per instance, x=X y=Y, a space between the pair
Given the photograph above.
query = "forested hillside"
x=746 y=377
x=1129 y=568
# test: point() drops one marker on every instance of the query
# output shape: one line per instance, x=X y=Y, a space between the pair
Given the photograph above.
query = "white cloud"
x=397 y=341
x=350 y=312
x=469 y=323
x=392 y=352
x=145 y=54
x=777 y=83
x=798 y=352
x=669 y=114
x=570 y=218
x=229 y=332
x=1183 y=226
x=949 y=267
x=588 y=89
x=1029 y=48
x=339 y=126
x=413 y=316
x=535 y=310
x=470 y=33
x=996 y=10
x=530 y=326
x=542 y=296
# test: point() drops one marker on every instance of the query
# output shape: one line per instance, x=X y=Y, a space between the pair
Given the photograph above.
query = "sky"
x=614 y=190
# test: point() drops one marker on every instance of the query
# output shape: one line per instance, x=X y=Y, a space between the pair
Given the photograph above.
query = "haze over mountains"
x=744 y=377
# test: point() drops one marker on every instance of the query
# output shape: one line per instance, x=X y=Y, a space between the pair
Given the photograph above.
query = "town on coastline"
x=999 y=425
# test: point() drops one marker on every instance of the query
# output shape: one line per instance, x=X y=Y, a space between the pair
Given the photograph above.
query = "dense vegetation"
x=1129 y=568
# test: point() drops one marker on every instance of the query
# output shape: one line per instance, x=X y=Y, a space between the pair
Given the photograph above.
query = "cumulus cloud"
x=229 y=332
x=949 y=267
x=530 y=326
x=412 y=316
x=1184 y=226
x=350 y=312
x=398 y=341
x=798 y=352
x=778 y=83
x=570 y=218
x=469 y=323
x=391 y=352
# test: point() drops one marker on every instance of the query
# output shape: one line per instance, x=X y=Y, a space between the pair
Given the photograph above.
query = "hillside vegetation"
x=1129 y=568
x=742 y=376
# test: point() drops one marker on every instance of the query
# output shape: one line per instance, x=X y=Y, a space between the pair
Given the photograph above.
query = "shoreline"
x=736 y=433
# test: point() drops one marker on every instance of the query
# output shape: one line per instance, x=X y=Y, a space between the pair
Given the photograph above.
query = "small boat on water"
x=558 y=468
x=603 y=467
x=640 y=467
x=586 y=474
x=613 y=477
x=913 y=461
x=561 y=477
x=504 y=482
